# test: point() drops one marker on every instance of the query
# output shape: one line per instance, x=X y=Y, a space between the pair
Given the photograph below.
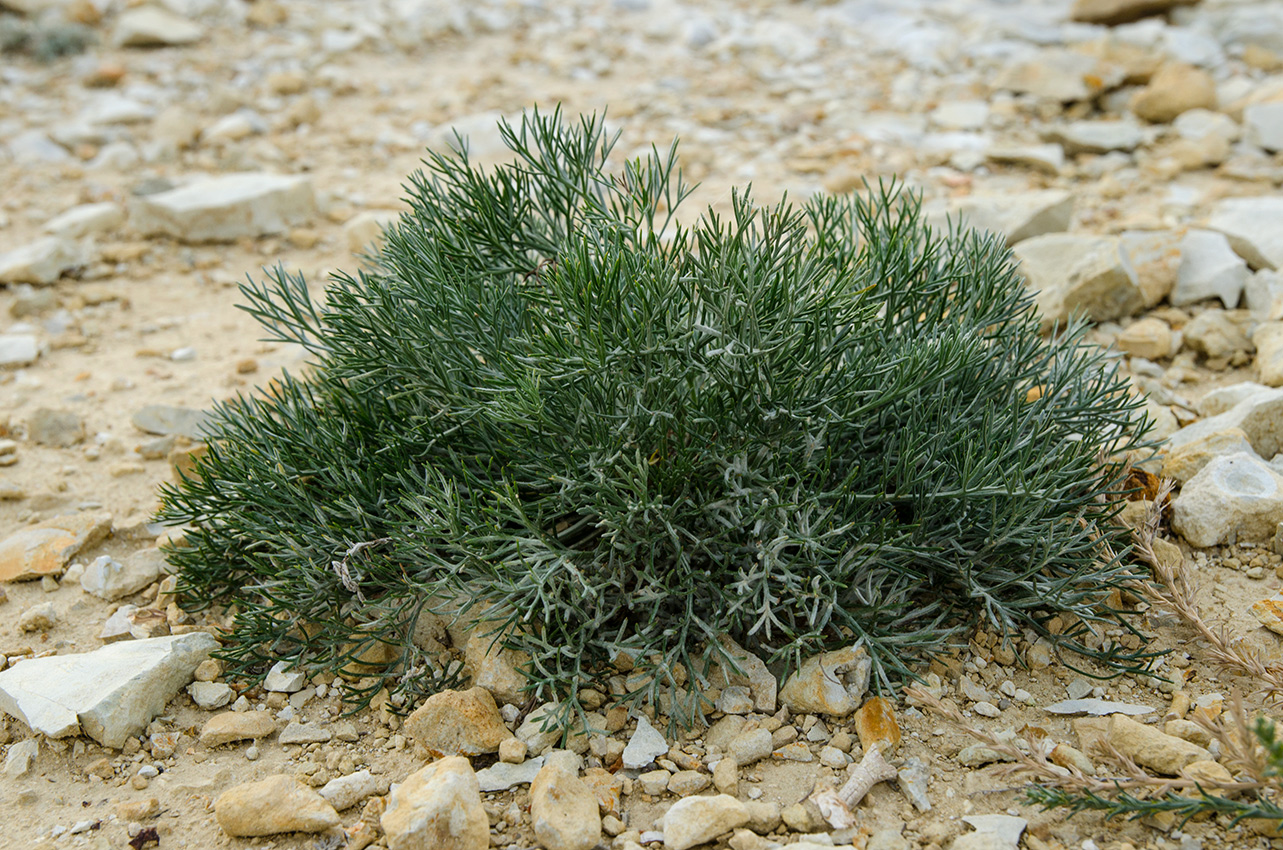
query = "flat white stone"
x=646 y=745
x=1006 y=829
x=149 y=26
x=108 y=694
x=501 y=776
x=18 y=349
x=226 y=208
x=1254 y=228
x=1097 y=707
x=42 y=261
x=1209 y=269
x=344 y=792
x=1236 y=494
x=1264 y=125
x=86 y=220
x=283 y=678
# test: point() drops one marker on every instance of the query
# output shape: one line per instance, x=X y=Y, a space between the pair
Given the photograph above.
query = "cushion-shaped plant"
x=610 y=430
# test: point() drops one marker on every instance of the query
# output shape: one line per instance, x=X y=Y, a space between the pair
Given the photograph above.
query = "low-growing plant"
x=554 y=405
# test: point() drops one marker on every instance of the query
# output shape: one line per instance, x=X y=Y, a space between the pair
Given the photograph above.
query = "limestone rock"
x=1149 y=747
x=60 y=428
x=501 y=776
x=1055 y=75
x=1268 y=339
x=110 y=579
x=992 y=832
x=1113 y=12
x=1236 y=493
x=563 y=809
x=1155 y=255
x=108 y=694
x=1149 y=337
x=495 y=668
x=344 y=792
x=1269 y=613
x=832 y=683
x=1018 y=216
x=1184 y=462
x=437 y=808
x=1254 y=228
x=1209 y=269
x=271 y=806
x=42 y=261
x=86 y=220
x=1263 y=295
x=149 y=26
x=284 y=678
x=876 y=725
x=227 y=207
x=1175 y=89
x=750 y=746
x=18 y=349
x=1224 y=399
x=697 y=820
x=163 y=420
x=364 y=231
x=1070 y=273
x=17 y=761
x=304 y=733
x=1048 y=158
x=1258 y=413
x=1214 y=334
x=231 y=726
x=537 y=738
x=458 y=723
x=45 y=548
x=762 y=684
x=646 y=744
x=1097 y=136
x=38 y=618
x=1263 y=123
x=210 y=695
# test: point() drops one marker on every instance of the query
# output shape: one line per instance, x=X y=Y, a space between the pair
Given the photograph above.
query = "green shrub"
x=611 y=432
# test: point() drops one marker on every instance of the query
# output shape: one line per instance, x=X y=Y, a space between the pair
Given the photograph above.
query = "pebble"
x=210 y=695
x=1253 y=227
x=226 y=208
x=644 y=746
x=833 y=683
x=696 y=820
x=502 y=775
x=1209 y=268
x=1237 y=493
x=1263 y=125
x=109 y=579
x=750 y=746
x=438 y=806
x=18 y=349
x=563 y=809
x=41 y=262
x=273 y=806
x=1175 y=89
x=344 y=792
x=304 y=733
x=232 y=726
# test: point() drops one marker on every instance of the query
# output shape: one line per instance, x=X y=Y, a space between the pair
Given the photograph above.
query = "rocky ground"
x=1132 y=162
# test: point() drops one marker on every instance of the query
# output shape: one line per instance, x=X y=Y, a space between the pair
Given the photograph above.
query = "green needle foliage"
x=610 y=432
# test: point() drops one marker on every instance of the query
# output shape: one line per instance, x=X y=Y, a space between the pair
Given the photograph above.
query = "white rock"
x=1005 y=829
x=1048 y=158
x=832 y=683
x=150 y=26
x=86 y=220
x=42 y=261
x=1224 y=399
x=38 y=618
x=1196 y=125
x=1057 y=75
x=210 y=695
x=1263 y=123
x=696 y=820
x=1258 y=414
x=480 y=134
x=563 y=808
x=1268 y=339
x=304 y=733
x=1254 y=227
x=344 y=792
x=108 y=694
x=1155 y=255
x=225 y=208
x=1072 y=273
x=110 y=579
x=761 y=683
x=1098 y=136
x=33 y=146
x=961 y=115
x=645 y=745
x=1235 y=494
x=1209 y=269
x=501 y=776
x=118 y=625
x=1097 y=707
x=539 y=740
x=283 y=678
x=1017 y=216
x=18 y=349
x=437 y=807
x=20 y=756
x=1263 y=295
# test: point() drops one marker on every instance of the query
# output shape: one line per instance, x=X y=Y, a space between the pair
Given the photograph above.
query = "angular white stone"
x=108 y=694
x=1209 y=269
x=210 y=695
x=110 y=579
x=344 y=792
x=149 y=26
x=696 y=820
x=501 y=776
x=1018 y=216
x=20 y=756
x=1071 y=273
x=1263 y=123
x=1097 y=707
x=646 y=745
x=226 y=208
x=1098 y=136
x=1254 y=227
x=1005 y=830
x=41 y=262
x=1235 y=494
x=18 y=349
x=283 y=678
x=86 y=220
x=832 y=683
